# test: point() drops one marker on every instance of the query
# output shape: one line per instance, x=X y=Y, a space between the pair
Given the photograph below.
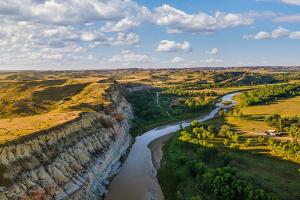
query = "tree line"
x=267 y=93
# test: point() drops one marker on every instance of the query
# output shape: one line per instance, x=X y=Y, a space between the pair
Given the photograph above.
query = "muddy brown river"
x=137 y=177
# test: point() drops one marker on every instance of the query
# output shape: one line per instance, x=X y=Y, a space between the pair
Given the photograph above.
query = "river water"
x=137 y=177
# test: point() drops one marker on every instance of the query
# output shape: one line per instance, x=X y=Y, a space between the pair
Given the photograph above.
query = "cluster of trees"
x=145 y=109
x=203 y=171
x=202 y=134
x=190 y=99
x=196 y=104
x=288 y=76
x=198 y=134
x=285 y=148
x=231 y=139
x=176 y=102
x=224 y=184
x=183 y=92
x=281 y=123
x=144 y=105
x=268 y=93
x=288 y=124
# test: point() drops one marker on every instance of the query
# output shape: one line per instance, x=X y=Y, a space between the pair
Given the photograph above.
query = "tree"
x=225 y=129
x=185 y=136
x=226 y=142
x=211 y=128
x=194 y=123
x=235 y=138
x=248 y=141
x=261 y=139
x=294 y=132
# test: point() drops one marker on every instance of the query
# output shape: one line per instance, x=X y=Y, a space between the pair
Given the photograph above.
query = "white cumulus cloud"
x=69 y=11
x=213 y=51
x=177 y=60
x=178 y=21
x=172 y=46
x=279 y=32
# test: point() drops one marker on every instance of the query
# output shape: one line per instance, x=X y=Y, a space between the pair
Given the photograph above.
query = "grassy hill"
x=30 y=102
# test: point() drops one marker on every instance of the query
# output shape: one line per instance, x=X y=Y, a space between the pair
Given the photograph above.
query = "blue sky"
x=101 y=34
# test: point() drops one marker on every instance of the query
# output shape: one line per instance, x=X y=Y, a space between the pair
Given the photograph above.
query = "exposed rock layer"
x=72 y=161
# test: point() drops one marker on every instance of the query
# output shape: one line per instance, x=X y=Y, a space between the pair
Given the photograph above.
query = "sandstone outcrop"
x=72 y=161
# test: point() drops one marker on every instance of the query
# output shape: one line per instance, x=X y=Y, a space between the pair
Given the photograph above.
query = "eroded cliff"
x=71 y=161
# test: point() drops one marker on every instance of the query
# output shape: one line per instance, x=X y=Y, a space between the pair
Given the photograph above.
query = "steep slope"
x=71 y=161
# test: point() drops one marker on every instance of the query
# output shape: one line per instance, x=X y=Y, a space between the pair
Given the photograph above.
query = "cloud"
x=69 y=11
x=258 y=36
x=128 y=57
x=91 y=36
x=172 y=46
x=122 y=25
x=125 y=39
x=291 y=2
x=279 y=32
x=178 y=21
x=295 y=35
x=213 y=51
x=177 y=60
x=295 y=18
x=30 y=43
x=129 y=22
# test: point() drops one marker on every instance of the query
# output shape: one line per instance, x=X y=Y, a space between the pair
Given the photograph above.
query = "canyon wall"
x=72 y=161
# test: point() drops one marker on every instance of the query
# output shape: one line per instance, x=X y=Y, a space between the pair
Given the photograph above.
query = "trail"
x=158 y=104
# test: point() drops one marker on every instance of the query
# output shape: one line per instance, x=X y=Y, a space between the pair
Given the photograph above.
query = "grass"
x=277 y=176
x=12 y=129
x=247 y=126
x=36 y=101
x=285 y=107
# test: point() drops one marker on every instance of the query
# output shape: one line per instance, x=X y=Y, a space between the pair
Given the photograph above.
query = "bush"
x=248 y=142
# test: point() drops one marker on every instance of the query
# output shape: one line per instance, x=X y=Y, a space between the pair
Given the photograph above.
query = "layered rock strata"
x=71 y=161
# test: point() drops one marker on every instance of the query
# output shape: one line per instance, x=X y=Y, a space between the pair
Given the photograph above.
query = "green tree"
x=261 y=139
x=225 y=129
x=235 y=138
x=294 y=132
x=248 y=141
x=226 y=142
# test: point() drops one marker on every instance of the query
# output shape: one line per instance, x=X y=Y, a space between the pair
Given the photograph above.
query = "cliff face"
x=74 y=160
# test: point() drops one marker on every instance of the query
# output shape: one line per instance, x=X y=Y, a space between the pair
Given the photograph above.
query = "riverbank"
x=156 y=147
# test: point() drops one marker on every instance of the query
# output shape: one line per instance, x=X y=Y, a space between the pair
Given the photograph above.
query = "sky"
x=113 y=34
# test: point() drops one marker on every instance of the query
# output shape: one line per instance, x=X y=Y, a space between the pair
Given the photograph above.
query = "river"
x=137 y=177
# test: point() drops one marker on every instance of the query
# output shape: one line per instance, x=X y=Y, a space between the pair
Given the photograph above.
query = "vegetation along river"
x=137 y=177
